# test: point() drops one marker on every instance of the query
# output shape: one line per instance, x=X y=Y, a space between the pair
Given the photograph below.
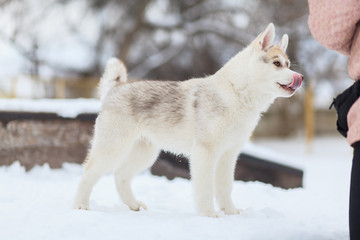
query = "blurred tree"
x=163 y=39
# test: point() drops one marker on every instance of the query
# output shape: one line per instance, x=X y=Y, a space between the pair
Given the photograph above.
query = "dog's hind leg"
x=108 y=150
x=224 y=180
x=141 y=157
x=92 y=173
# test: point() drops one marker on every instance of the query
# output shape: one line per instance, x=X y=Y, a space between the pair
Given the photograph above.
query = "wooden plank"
x=248 y=168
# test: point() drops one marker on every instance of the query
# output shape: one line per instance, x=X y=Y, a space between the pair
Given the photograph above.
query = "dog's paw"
x=231 y=211
x=137 y=205
x=81 y=206
x=212 y=214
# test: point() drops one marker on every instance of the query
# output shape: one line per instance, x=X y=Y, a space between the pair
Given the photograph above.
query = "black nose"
x=302 y=77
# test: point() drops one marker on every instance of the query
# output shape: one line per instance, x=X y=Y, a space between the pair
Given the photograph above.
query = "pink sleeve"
x=333 y=22
x=353 y=117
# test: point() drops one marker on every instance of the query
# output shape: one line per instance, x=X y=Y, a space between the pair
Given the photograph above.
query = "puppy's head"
x=270 y=66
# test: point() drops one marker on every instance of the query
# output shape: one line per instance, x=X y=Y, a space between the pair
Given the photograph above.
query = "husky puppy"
x=208 y=119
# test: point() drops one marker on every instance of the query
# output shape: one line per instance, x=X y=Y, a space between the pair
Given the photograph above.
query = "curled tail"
x=115 y=73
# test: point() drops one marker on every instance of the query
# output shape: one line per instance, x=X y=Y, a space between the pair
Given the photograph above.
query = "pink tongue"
x=296 y=82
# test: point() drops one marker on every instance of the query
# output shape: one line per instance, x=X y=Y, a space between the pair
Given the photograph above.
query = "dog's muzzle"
x=296 y=82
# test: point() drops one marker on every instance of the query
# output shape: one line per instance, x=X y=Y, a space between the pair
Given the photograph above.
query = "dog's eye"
x=277 y=63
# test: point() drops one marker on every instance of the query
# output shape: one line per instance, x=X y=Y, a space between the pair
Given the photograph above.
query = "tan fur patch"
x=276 y=53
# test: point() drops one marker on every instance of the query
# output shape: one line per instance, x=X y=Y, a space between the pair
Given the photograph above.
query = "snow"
x=67 y=108
x=157 y=14
x=271 y=155
x=37 y=204
x=10 y=60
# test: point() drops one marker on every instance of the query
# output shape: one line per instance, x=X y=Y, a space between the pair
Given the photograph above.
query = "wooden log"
x=248 y=168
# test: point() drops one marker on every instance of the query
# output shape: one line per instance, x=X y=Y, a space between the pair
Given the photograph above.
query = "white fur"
x=284 y=42
x=114 y=69
x=208 y=119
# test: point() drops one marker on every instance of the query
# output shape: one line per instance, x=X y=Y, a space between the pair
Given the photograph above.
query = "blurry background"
x=58 y=48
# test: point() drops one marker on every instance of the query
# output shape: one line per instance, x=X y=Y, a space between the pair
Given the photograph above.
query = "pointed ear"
x=284 y=42
x=266 y=38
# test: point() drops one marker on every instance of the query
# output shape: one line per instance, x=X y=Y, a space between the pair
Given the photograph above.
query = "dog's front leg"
x=224 y=180
x=203 y=162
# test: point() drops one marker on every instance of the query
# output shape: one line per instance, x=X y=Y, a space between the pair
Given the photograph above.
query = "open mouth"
x=295 y=84
x=287 y=87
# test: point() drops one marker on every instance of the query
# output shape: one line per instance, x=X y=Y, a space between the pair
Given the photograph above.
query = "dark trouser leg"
x=354 y=215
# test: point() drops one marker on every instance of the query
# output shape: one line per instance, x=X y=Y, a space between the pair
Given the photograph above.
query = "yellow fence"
x=59 y=87
x=81 y=87
x=309 y=116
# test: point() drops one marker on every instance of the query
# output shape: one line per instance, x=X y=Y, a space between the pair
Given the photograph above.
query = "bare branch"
x=129 y=38
x=156 y=60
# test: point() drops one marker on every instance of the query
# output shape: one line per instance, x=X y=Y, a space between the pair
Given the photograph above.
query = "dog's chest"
x=241 y=126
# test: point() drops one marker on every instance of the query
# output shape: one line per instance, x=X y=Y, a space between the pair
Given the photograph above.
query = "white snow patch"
x=241 y=20
x=158 y=14
x=68 y=108
x=37 y=204
x=271 y=155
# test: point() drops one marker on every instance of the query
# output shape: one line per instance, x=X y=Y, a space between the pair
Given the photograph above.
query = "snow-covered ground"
x=37 y=204
x=68 y=108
